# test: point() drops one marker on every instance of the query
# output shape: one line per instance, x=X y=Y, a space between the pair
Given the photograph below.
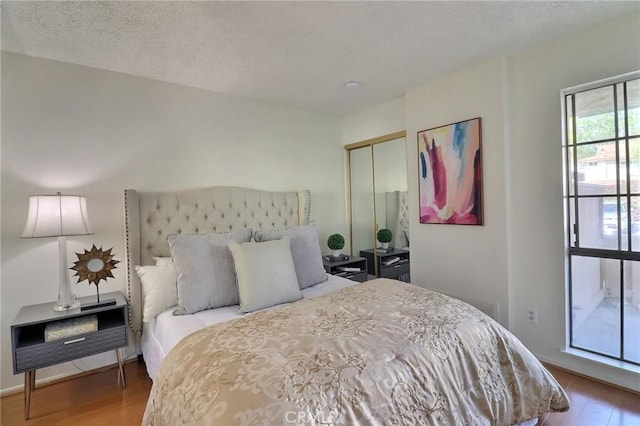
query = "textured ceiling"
x=297 y=54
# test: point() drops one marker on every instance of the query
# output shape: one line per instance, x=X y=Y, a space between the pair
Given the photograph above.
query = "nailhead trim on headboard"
x=128 y=248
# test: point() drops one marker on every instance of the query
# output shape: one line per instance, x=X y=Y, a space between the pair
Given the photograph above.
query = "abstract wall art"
x=451 y=174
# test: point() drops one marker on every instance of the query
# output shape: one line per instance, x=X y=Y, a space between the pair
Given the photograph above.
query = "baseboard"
x=59 y=378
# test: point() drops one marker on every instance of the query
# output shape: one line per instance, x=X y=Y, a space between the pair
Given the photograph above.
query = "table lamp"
x=58 y=216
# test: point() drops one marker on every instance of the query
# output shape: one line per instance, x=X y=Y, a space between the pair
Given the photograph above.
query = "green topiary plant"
x=335 y=242
x=384 y=235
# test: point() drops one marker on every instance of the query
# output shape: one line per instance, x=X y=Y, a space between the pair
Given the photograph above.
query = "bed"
x=335 y=352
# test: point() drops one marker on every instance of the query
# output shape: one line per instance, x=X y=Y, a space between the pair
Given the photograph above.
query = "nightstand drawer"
x=393 y=271
x=345 y=267
x=358 y=276
x=44 y=354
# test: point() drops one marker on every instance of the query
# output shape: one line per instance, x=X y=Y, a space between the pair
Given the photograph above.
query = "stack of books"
x=70 y=327
x=348 y=269
x=341 y=257
x=391 y=261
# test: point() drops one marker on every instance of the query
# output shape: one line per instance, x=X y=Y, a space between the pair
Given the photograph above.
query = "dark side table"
x=391 y=263
x=353 y=268
x=30 y=350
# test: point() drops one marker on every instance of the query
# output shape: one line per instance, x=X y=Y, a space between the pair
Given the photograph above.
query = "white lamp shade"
x=56 y=215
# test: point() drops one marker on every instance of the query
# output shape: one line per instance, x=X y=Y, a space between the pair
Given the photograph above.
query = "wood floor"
x=91 y=400
x=593 y=403
x=96 y=400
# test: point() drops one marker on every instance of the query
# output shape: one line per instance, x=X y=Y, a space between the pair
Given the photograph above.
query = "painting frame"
x=450 y=174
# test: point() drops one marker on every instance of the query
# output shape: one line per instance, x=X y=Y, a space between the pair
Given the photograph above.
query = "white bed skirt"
x=166 y=330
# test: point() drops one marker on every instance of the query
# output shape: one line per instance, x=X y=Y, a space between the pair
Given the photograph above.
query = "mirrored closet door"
x=377 y=200
x=362 y=207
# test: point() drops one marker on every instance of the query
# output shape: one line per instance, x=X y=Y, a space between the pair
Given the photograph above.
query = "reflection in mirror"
x=362 y=220
x=378 y=199
x=391 y=190
x=95 y=265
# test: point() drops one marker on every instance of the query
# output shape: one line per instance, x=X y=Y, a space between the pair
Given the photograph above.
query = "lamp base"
x=65 y=306
x=66 y=299
x=99 y=304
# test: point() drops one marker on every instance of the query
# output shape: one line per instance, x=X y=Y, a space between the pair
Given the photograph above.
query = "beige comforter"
x=382 y=352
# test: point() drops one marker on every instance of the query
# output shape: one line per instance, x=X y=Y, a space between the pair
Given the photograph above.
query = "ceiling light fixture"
x=352 y=85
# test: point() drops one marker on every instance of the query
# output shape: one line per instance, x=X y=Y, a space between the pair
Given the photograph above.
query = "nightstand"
x=337 y=267
x=30 y=350
x=388 y=266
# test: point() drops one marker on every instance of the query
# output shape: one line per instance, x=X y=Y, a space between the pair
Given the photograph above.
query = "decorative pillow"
x=305 y=249
x=162 y=261
x=159 y=288
x=206 y=278
x=266 y=275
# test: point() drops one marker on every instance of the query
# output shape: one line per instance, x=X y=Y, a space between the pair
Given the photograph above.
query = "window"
x=601 y=154
x=610 y=217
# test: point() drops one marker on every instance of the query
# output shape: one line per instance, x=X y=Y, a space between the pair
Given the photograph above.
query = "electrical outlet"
x=532 y=314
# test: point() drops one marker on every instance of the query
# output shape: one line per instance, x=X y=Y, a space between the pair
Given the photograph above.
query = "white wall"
x=535 y=174
x=438 y=251
x=516 y=258
x=91 y=132
x=380 y=120
x=465 y=261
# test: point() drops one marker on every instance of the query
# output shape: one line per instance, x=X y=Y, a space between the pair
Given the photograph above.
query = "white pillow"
x=266 y=275
x=159 y=287
x=206 y=278
x=305 y=250
x=162 y=261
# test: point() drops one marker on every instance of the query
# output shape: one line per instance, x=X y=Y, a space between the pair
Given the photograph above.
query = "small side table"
x=30 y=351
x=342 y=268
x=392 y=263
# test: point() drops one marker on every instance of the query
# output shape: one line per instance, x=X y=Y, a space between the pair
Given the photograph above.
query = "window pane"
x=633 y=103
x=622 y=166
x=595 y=310
x=620 y=110
x=572 y=221
x=597 y=167
x=598 y=218
x=632 y=311
x=570 y=171
x=634 y=164
x=569 y=119
x=612 y=223
x=634 y=211
x=595 y=119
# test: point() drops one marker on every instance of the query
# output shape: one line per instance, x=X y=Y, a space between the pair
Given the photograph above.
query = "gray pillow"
x=266 y=275
x=305 y=249
x=206 y=278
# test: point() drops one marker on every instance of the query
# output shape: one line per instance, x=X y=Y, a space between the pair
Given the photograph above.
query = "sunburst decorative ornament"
x=95 y=265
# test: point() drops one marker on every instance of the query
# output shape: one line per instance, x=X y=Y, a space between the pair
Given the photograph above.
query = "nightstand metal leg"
x=121 y=377
x=29 y=381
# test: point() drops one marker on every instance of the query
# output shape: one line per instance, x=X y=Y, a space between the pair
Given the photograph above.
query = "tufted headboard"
x=151 y=216
x=398 y=218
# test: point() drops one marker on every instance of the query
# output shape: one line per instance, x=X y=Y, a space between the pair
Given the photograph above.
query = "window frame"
x=572 y=195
